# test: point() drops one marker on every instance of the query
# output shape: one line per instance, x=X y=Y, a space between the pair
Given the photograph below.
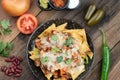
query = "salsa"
x=59 y=3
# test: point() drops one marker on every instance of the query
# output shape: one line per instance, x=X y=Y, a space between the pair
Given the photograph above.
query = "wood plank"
x=76 y=15
x=115 y=72
x=94 y=73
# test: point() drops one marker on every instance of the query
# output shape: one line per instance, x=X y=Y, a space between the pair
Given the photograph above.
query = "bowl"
x=45 y=9
x=77 y=4
x=71 y=25
x=58 y=8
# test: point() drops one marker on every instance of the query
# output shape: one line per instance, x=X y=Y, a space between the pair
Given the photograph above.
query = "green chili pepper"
x=96 y=18
x=90 y=11
x=105 y=58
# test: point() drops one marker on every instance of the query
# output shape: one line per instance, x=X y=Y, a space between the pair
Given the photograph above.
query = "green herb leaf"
x=5 y=49
x=2 y=46
x=10 y=46
x=69 y=41
x=68 y=61
x=66 y=53
x=5 y=24
x=5 y=53
x=55 y=50
x=59 y=59
x=45 y=59
x=54 y=37
x=7 y=31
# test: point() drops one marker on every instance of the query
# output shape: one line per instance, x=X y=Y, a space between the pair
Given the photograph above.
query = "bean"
x=14 y=67
x=17 y=75
x=13 y=70
x=8 y=60
x=10 y=74
x=19 y=58
x=19 y=67
x=13 y=59
x=18 y=71
x=4 y=68
x=14 y=63
x=10 y=71
x=7 y=72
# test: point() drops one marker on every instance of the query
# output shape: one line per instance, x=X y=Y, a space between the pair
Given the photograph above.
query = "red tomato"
x=27 y=23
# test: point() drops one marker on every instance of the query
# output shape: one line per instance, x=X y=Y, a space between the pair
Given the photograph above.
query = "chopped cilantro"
x=54 y=37
x=59 y=59
x=69 y=41
x=68 y=61
x=45 y=59
x=9 y=46
x=5 y=53
x=5 y=24
x=66 y=53
x=2 y=46
x=55 y=50
x=5 y=49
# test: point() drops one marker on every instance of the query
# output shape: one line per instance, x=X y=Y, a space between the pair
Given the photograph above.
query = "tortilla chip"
x=61 y=27
x=48 y=30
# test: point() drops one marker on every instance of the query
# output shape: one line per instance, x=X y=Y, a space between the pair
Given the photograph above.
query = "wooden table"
x=111 y=25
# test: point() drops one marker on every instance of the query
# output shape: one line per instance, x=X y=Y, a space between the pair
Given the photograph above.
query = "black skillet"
x=71 y=25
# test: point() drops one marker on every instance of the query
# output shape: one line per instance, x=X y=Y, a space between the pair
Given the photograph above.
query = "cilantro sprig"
x=69 y=41
x=4 y=27
x=5 y=49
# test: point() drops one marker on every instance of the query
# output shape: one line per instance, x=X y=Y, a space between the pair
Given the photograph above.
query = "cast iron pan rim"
x=27 y=52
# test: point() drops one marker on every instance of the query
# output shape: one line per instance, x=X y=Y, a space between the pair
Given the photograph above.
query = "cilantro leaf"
x=54 y=37
x=59 y=59
x=45 y=59
x=54 y=50
x=69 y=41
x=5 y=53
x=66 y=53
x=5 y=24
x=7 y=31
x=9 y=46
x=68 y=61
x=5 y=49
x=2 y=46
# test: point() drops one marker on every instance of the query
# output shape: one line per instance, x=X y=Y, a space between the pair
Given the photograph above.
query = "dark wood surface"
x=110 y=23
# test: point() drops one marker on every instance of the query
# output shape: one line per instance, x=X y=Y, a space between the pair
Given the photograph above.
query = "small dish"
x=45 y=9
x=73 y=4
x=54 y=6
